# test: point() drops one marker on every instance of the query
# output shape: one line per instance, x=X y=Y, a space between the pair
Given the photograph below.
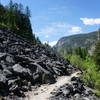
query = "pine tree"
x=10 y=15
x=96 y=53
x=38 y=40
x=27 y=11
x=17 y=20
x=21 y=8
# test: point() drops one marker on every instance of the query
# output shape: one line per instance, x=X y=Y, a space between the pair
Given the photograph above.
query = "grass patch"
x=91 y=76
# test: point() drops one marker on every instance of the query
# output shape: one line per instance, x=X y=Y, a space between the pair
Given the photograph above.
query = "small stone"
x=35 y=93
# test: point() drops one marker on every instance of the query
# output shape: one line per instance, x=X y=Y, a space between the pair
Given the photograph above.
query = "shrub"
x=91 y=76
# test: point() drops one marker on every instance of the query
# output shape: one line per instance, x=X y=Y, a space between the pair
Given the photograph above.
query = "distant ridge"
x=74 y=41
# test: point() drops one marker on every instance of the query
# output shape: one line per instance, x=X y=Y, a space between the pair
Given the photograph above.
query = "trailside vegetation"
x=89 y=64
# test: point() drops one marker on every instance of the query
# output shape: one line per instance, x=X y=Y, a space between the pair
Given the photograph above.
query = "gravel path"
x=44 y=91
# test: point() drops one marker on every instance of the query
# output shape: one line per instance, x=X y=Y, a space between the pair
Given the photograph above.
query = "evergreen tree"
x=47 y=45
x=21 y=8
x=82 y=52
x=2 y=14
x=38 y=40
x=17 y=20
x=27 y=11
x=10 y=16
x=96 y=53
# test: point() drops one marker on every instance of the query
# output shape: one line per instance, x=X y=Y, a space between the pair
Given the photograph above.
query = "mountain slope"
x=74 y=41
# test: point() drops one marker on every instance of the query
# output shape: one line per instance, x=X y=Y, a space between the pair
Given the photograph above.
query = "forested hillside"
x=16 y=18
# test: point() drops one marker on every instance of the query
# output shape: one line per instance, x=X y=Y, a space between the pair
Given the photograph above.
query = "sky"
x=53 y=19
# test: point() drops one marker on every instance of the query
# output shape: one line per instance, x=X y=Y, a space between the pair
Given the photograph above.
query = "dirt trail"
x=43 y=92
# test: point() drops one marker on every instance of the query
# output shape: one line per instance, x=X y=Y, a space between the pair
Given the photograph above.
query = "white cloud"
x=44 y=42
x=50 y=43
x=47 y=36
x=58 y=10
x=90 y=21
x=62 y=25
x=48 y=30
x=75 y=29
x=53 y=28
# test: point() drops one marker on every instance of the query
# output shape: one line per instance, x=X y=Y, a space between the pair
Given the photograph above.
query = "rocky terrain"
x=65 y=88
x=44 y=92
x=75 y=90
x=23 y=65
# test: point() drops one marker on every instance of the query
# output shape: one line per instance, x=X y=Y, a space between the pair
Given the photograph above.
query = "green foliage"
x=27 y=11
x=3 y=25
x=17 y=20
x=96 y=53
x=38 y=40
x=47 y=45
x=82 y=52
x=91 y=75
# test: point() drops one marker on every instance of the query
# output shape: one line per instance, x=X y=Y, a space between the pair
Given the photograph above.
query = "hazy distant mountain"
x=74 y=41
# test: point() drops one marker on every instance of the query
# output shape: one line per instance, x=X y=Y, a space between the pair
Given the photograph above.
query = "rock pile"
x=76 y=90
x=23 y=65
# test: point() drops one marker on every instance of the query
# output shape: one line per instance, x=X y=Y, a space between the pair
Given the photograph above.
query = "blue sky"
x=53 y=19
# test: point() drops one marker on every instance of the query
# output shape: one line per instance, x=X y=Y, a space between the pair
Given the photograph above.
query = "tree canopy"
x=17 y=19
x=96 y=53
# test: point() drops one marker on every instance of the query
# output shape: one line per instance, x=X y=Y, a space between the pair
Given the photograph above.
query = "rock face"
x=75 y=41
x=23 y=65
x=76 y=90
